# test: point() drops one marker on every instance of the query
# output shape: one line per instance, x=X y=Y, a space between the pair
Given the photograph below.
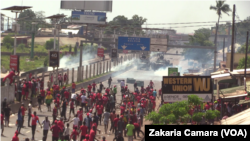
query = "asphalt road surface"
x=141 y=75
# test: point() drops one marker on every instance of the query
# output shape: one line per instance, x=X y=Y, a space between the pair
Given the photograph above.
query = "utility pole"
x=232 y=44
x=215 y=50
x=246 y=63
x=223 y=48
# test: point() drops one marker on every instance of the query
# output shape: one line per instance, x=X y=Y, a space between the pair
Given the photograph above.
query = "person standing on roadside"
x=7 y=112
x=130 y=131
x=46 y=127
x=29 y=113
x=89 y=89
x=94 y=86
x=109 y=81
x=65 y=78
x=23 y=113
x=60 y=79
x=35 y=119
x=101 y=87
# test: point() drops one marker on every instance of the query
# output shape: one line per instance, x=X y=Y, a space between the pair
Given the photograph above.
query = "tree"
x=200 y=38
x=242 y=49
x=50 y=44
x=220 y=8
x=241 y=64
x=26 y=17
x=70 y=48
x=8 y=40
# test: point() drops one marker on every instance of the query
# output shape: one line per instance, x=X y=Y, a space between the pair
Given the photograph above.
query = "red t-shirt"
x=160 y=91
x=151 y=83
x=126 y=87
x=138 y=98
x=74 y=134
x=2 y=118
x=23 y=110
x=60 y=124
x=105 y=99
x=71 y=105
x=66 y=94
x=136 y=125
x=73 y=85
x=93 y=85
x=55 y=130
x=98 y=95
x=15 y=138
x=122 y=109
x=34 y=119
x=207 y=106
x=57 y=87
x=94 y=124
x=65 y=77
x=116 y=121
x=83 y=130
x=99 y=109
x=55 y=111
x=107 y=90
x=92 y=135
x=89 y=87
x=42 y=92
x=80 y=114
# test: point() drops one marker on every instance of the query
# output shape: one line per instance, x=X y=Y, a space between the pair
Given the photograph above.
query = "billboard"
x=114 y=53
x=134 y=43
x=172 y=71
x=87 y=5
x=88 y=17
x=54 y=59
x=14 y=62
x=222 y=30
x=177 y=88
x=187 y=85
x=100 y=52
x=125 y=51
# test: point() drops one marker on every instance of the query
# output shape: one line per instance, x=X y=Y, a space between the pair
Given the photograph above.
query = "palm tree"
x=221 y=7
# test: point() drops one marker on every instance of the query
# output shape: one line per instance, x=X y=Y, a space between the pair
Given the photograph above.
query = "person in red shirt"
x=66 y=94
x=83 y=129
x=123 y=107
x=65 y=77
x=2 y=125
x=72 y=108
x=151 y=83
x=86 y=137
x=92 y=134
x=80 y=115
x=89 y=89
x=34 y=120
x=99 y=109
x=126 y=88
x=15 y=137
x=74 y=135
x=42 y=91
x=116 y=121
x=142 y=89
x=55 y=131
x=93 y=86
x=137 y=129
x=73 y=87
x=23 y=112
x=107 y=90
x=10 y=76
x=154 y=104
x=105 y=99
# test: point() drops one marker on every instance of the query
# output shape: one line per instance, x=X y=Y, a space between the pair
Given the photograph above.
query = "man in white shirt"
x=122 y=83
x=73 y=96
x=75 y=120
x=83 y=97
x=46 y=127
x=66 y=133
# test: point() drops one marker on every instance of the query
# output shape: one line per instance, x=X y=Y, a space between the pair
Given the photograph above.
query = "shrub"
x=22 y=46
x=8 y=45
x=8 y=40
x=36 y=57
x=197 y=117
x=46 y=61
x=50 y=44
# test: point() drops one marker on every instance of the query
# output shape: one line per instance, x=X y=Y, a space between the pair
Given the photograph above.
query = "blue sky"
x=156 y=11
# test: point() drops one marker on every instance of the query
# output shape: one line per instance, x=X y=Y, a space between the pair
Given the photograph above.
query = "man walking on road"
x=94 y=86
x=35 y=119
x=130 y=131
x=46 y=127
x=83 y=102
x=60 y=79
x=109 y=81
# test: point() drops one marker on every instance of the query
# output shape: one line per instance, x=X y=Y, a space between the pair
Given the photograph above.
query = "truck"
x=143 y=62
x=161 y=63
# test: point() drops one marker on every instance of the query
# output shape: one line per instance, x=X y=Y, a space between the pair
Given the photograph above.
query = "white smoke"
x=123 y=65
x=69 y=61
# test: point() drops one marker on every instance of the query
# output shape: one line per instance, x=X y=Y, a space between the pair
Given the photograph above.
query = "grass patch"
x=24 y=66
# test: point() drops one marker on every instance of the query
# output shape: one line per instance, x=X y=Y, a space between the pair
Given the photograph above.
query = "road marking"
x=27 y=131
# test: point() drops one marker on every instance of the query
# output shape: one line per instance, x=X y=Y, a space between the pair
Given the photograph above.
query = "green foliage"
x=171 y=118
x=21 y=46
x=36 y=57
x=153 y=116
x=217 y=113
x=241 y=64
x=197 y=117
x=50 y=44
x=210 y=114
x=8 y=46
x=70 y=48
x=242 y=49
x=8 y=40
x=194 y=100
x=186 y=117
x=46 y=61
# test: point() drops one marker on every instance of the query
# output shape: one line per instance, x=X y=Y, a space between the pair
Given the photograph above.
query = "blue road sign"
x=134 y=43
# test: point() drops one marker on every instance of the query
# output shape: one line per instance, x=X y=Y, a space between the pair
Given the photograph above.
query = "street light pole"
x=15 y=35
x=55 y=36
x=246 y=63
x=33 y=38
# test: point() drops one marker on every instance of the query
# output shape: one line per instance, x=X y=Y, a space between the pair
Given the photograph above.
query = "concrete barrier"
x=8 y=92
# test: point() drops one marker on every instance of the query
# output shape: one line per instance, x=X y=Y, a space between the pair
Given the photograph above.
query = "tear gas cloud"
x=69 y=61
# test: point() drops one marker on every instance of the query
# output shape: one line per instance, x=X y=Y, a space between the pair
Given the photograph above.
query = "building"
x=22 y=40
x=1 y=23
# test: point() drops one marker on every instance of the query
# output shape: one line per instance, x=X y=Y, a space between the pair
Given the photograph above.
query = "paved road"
x=142 y=75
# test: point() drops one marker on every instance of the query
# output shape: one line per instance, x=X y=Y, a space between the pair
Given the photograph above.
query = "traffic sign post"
x=134 y=43
x=54 y=59
x=14 y=62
